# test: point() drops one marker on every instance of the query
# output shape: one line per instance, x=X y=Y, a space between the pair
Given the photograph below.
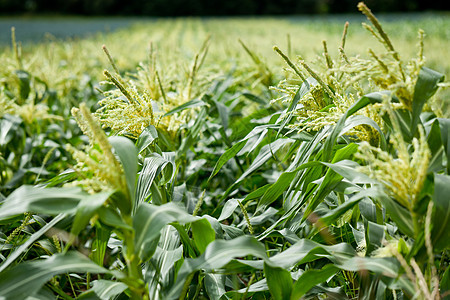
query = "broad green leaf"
x=107 y=289
x=265 y=216
x=330 y=180
x=357 y=120
x=445 y=134
x=387 y=266
x=88 y=295
x=86 y=209
x=374 y=236
x=109 y=216
x=441 y=225
x=99 y=245
x=311 y=278
x=215 y=285
x=24 y=80
x=27 y=278
x=160 y=271
x=50 y=201
x=224 y=113
x=203 y=234
x=445 y=283
x=232 y=232
x=259 y=192
x=368 y=210
x=190 y=104
x=255 y=98
x=264 y=155
x=229 y=154
x=148 y=135
x=400 y=215
x=228 y=209
x=347 y=169
x=127 y=153
x=276 y=189
x=241 y=127
x=307 y=250
x=154 y=165
x=279 y=281
x=192 y=135
x=334 y=214
x=426 y=86
x=186 y=240
x=254 y=139
x=371 y=98
x=266 y=152
x=376 y=97
x=216 y=256
x=8 y=125
x=150 y=219
x=436 y=147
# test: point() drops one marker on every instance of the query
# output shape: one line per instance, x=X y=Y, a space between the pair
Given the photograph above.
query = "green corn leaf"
x=100 y=244
x=215 y=285
x=228 y=209
x=445 y=283
x=127 y=153
x=444 y=125
x=148 y=135
x=150 y=219
x=334 y=214
x=109 y=216
x=8 y=125
x=107 y=289
x=190 y=104
x=153 y=166
x=388 y=266
x=27 y=278
x=216 y=256
x=263 y=156
x=376 y=97
x=276 y=189
x=441 y=229
x=50 y=201
x=33 y=238
x=311 y=278
x=436 y=147
x=279 y=281
x=229 y=154
x=254 y=98
x=203 y=234
x=24 y=79
x=374 y=236
x=330 y=180
x=426 y=86
x=307 y=250
x=401 y=216
x=193 y=133
x=86 y=209
x=347 y=169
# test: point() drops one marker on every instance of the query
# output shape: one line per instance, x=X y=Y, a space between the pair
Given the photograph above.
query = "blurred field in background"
x=66 y=49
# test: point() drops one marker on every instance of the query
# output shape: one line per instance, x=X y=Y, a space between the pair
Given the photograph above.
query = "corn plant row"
x=186 y=179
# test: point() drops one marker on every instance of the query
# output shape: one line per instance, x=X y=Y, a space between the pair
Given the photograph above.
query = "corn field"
x=228 y=159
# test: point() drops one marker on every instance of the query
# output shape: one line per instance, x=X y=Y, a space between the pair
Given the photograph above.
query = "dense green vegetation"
x=204 y=163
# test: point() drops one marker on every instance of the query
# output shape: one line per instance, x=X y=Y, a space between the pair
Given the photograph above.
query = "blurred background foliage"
x=205 y=7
